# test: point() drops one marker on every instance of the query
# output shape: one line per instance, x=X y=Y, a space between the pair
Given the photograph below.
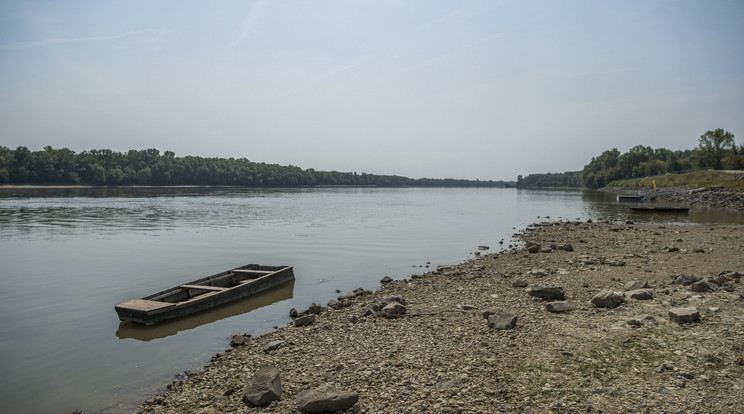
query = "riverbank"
x=442 y=355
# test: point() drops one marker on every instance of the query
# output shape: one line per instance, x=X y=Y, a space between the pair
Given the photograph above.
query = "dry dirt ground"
x=442 y=357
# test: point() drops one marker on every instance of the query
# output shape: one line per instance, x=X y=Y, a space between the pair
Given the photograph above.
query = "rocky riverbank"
x=587 y=317
x=708 y=197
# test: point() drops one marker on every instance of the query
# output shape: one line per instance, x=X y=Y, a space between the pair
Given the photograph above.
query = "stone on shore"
x=519 y=283
x=560 y=306
x=640 y=294
x=304 y=320
x=684 y=315
x=238 y=340
x=636 y=284
x=392 y=299
x=264 y=387
x=547 y=293
x=533 y=248
x=686 y=280
x=315 y=309
x=704 y=285
x=326 y=398
x=393 y=310
x=273 y=346
x=608 y=299
x=501 y=320
x=385 y=280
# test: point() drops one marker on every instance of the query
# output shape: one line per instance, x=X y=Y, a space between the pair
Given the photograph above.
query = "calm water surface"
x=67 y=256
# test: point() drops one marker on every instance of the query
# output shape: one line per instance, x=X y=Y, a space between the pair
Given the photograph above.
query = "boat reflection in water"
x=141 y=332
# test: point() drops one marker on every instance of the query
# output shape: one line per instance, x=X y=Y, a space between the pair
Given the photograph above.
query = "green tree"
x=713 y=147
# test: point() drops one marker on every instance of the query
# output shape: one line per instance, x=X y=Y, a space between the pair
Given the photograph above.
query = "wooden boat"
x=661 y=209
x=204 y=293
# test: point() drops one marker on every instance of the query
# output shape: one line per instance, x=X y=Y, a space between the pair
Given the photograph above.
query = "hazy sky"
x=461 y=89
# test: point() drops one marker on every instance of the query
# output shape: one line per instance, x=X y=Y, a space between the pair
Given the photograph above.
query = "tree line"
x=52 y=166
x=716 y=149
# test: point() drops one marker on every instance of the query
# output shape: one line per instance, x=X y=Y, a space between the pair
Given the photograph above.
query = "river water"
x=67 y=256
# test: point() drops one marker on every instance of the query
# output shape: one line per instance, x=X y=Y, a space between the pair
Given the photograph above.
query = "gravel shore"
x=441 y=355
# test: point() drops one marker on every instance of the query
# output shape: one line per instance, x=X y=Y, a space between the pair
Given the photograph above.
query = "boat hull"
x=205 y=293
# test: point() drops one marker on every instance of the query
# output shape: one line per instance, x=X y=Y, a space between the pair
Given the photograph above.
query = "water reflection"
x=128 y=330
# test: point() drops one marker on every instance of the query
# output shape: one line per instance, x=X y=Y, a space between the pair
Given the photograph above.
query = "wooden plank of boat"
x=204 y=293
x=216 y=288
x=661 y=209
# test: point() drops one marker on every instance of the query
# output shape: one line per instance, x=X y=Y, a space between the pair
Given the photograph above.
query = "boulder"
x=686 y=280
x=393 y=309
x=293 y=313
x=238 y=340
x=315 y=309
x=501 y=320
x=264 y=387
x=704 y=285
x=640 y=294
x=533 y=248
x=547 y=293
x=684 y=315
x=636 y=284
x=346 y=296
x=304 y=320
x=392 y=299
x=385 y=280
x=608 y=299
x=560 y=306
x=326 y=398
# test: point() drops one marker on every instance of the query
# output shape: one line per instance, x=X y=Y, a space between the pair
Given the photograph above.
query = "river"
x=67 y=256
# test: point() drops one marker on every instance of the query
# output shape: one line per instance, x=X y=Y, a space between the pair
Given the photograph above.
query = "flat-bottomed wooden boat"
x=204 y=293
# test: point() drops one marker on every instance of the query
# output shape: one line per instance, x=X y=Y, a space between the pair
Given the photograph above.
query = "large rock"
x=560 y=306
x=393 y=310
x=304 y=320
x=264 y=387
x=392 y=299
x=636 y=284
x=346 y=296
x=239 y=339
x=326 y=398
x=533 y=247
x=315 y=309
x=704 y=285
x=501 y=320
x=273 y=346
x=547 y=293
x=684 y=315
x=640 y=294
x=686 y=280
x=608 y=299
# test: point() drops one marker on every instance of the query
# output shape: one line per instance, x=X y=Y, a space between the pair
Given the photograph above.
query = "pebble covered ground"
x=441 y=355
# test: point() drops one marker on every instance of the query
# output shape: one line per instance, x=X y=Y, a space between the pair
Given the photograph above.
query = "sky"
x=465 y=89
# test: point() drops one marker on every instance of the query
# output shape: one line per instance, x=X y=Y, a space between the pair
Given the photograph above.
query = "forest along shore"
x=587 y=316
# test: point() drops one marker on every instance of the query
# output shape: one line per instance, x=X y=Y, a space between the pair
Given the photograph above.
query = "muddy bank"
x=442 y=355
